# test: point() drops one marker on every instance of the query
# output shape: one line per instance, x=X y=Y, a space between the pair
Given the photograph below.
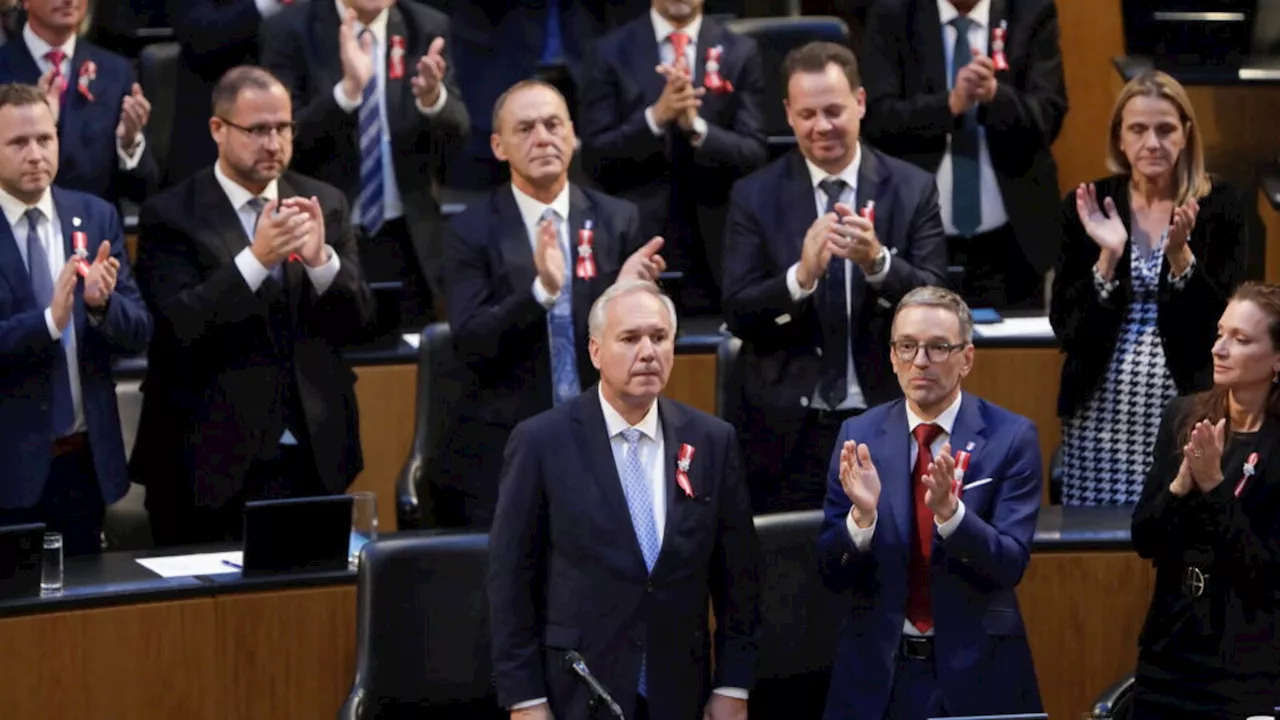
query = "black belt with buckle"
x=916 y=648
x=1194 y=581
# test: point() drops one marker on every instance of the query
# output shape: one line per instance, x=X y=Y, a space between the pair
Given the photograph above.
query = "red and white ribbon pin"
x=712 y=80
x=998 y=35
x=585 y=269
x=683 y=461
x=395 y=58
x=1250 y=467
x=88 y=73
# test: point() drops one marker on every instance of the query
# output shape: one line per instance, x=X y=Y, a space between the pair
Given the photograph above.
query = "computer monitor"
x=21 y=559
x=296 y=535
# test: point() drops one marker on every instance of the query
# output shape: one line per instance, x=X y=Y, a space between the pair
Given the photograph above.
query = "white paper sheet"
x=413 y=340
x=200 y=564
x=1032 y=328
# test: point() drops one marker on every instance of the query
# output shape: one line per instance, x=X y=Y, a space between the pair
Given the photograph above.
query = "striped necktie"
x=370 y=205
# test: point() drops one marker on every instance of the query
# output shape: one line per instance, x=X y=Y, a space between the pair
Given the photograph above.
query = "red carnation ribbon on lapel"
x=997 y=46
x=395 y=58
x=88 y=73
x=962 y=465
x=712 y=79
x=80 y=244
x=869 y=212
x=1250 y=466
x=683 y=461
x=585 y=269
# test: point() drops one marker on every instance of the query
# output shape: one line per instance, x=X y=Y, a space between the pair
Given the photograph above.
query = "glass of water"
x=364 y=524
x=51 y=564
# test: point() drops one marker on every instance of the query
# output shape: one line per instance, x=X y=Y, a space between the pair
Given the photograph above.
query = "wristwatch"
x=877 y=266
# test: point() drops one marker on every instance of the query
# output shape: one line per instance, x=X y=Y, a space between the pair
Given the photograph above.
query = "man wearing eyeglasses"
x=254 y=279
x=930 y=509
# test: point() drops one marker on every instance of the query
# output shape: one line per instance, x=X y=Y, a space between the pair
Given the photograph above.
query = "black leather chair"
x=799 y=616
x=438 y=387
x=158 y=76
x=1116 y=702
x=776 y=37
x=422 y=634
x=726 y=363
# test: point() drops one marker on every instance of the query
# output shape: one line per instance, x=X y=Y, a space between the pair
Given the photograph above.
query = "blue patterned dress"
x=1106 y=445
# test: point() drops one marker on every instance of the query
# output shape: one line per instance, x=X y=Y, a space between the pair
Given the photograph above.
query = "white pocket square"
x=782 y=319
x=976 y=483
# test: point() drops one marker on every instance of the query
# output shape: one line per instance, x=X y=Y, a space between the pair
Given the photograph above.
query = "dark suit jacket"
x=905 y=68
x=300 y=45
x=1235 y=542
x=1088 y=327
x=500 y=329
x=769 y=215
x=87 y=159
x=27 y=356
x=629 y=161
x=208 y=408
x=973 y=573
x=566 y=571
x=216 y=35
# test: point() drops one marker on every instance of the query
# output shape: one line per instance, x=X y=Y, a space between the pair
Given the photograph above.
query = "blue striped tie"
x=635 y=485
x=564 y=356
x=370 y=204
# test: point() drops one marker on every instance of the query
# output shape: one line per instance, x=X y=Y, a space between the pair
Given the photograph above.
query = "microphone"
x=574 y=664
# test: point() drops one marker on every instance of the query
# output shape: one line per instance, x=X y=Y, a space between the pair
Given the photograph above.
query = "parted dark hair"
x=21 y=95
x=238 y=79
x=1211 y=405
x=815 y=57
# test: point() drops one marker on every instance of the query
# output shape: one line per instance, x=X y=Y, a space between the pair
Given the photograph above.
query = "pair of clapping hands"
x=861 y=483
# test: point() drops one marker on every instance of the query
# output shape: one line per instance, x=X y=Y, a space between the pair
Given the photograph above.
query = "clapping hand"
x=101 y=280
x=1203 y=454
x=861 y=482
x=940 y=487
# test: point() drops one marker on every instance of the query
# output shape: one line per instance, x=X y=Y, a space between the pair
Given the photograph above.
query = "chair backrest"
x=158 y=76
x=438 y=388
x=1116 y=702
x=422 y=633
x=726 y=365
x=799 y=614
x=776 y=37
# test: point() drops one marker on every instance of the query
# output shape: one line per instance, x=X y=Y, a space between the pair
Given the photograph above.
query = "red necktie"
x=919 y=611
x=55 y=57
x=680 y=43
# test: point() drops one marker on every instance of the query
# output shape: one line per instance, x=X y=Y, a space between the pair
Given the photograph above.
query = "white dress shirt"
x=993 y=211
x=667 y=55
x=49 y=229
x=531 y=211
x=862 y=536
x=267 y=8
x=392 y=205
x=39 y=48
x=853 y=399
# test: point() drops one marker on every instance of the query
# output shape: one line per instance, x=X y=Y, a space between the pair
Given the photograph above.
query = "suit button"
x=44 y=406
x=818 y=350
x=648 y=588
x=804 y=402
x=844 y=559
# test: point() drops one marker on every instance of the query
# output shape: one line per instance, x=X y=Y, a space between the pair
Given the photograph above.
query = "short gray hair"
x=939 y=297
x=595 y=320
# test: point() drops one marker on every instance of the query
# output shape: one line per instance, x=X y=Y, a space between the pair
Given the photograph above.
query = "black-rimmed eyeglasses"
x=262 y=133
x=936 y=352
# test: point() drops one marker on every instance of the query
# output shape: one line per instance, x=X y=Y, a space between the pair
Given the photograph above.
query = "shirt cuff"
x=267 y=8
x=322 y=277
x=253 y=272
x=653 y=126
x=699 y=132
x=793 y=285
x=732 y=692
x=435 y=107
x=1177 y=282
x=544 y=298
x=54 y=332
x=948 y=528
x=1104 y=287
x=861 y=537
x=878 y=278
x=341 y=98
x=130 y=161
x=528 y=704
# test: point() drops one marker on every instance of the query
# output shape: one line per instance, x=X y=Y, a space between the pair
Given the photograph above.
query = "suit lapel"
x=797 y=205
x=69 y=219
x=999 y=11
x=929 y=43
x=580 y=211
x=514 y=245
x=870 y=188
x=324 y=25
x=11 y=265
x=708 y=37
x=645 y=58
x=674 y=432
x=395 y=88
x=70 y=120
x=968 y=435
x=228 y=237
x=892 y=458
x=604 y=472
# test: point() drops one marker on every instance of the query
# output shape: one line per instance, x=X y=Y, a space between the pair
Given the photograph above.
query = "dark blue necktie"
x=833 y=385
x=64 y=413
x=966 y=195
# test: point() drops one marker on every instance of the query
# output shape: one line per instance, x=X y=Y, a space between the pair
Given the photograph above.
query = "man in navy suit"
x=378 y=114
x=59 y=426
x=619 y=513
x=671 y=116
x=102 y=110
x=986 y=132
x=930 y=510
x=810 y=283
x=519 y=290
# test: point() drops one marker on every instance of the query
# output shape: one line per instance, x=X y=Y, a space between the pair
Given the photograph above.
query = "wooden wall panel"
x=1271 y=223
x=1091 y=35
x=386 y=395
x=1025 y=381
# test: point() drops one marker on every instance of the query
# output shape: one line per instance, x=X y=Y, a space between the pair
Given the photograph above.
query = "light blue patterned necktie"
x=635 y=485
x=564 y=356
x=966 y=176
x=63 y=407
x=370 y=202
